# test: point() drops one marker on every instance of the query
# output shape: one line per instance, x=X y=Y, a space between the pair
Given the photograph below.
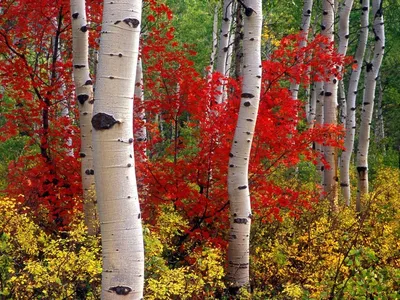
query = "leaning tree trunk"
x=84 y=95
x=238 y=183
x=372 y=72
x=223 y=47
x=330 y=108
x=305 y=27
x=351 y=103
x=116 y=189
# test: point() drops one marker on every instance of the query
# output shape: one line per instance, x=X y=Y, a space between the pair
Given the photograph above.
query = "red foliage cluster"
x=190 y=136
x=36 y=73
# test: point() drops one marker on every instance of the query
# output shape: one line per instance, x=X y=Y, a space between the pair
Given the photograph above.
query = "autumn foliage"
x=181 y=167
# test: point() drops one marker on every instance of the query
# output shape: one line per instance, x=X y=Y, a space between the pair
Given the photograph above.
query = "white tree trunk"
x=305 y=27
x=351 y=104
x=231 y=40
x=84 y=95
x=238 y=184
x=238 y=42
x=215 y=41
x=344 y=34
x=379 y=123
x=372 y=72
x=312 y=106
x=116 y=189
x=330 y=108
x=223 y=47
x=319 y=120
x=141 y=132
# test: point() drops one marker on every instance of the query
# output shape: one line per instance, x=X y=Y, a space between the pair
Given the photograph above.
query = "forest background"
x=300 y=247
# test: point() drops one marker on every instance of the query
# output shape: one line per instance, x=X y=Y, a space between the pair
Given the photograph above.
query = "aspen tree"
x=344 y=34
x=238 y=183
x=305 y=27
x=330 y=107
x=372 y=72
x=238 y=42
x=379 y=124
x=84 y=95
x=116 y=188
x=141 y=132
x=215 y=41
x=223 y=47
x=351 y=103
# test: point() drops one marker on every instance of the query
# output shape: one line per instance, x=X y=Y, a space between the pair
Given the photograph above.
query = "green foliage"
x=39 y=265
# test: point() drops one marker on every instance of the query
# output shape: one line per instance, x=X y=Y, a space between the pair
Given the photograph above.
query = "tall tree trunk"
x=238 y=183
x=379 y=124
x=351 y=103
x=215 y=41
x=330 y=108
x=231 y=40
x=238 y=42
x=84 y=95
x=140 y=131
x=116 y=189
x=372 y=72
x=319 y=120
x=305 y=27
x=223 y=47
x=344 y=34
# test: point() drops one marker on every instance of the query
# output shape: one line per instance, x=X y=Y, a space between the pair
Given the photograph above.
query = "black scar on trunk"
x=134 y=23
x=121 y=290
x=83 y=98
x=103 y=121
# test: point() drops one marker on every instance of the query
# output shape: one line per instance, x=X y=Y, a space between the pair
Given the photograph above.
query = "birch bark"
x=84 y=95
x=330 y=108
x=372 y=72
x=116 y=189
x=238 y=185
x=140 y=132
x=224 y=46
x=215 y=41
x=351 y=104
x=305 y=27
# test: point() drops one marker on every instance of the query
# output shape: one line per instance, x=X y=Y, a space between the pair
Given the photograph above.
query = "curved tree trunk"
x=351 y=104
x=84 y=95
x=116 y=189
x=372 y=72
x=238 y=183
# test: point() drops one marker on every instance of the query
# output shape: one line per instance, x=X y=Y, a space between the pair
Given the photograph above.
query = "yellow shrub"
x=323 y=255
x=36 y=265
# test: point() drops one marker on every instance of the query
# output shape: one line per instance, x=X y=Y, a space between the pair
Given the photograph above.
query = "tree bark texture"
x=351 y=103
x=372 y=72
x=238 y=183
x=305 y=27
x=223 y=47
x=84 y=95
x=330 y=108
x=140 y=132
x=116 y=188
x=215 y=41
